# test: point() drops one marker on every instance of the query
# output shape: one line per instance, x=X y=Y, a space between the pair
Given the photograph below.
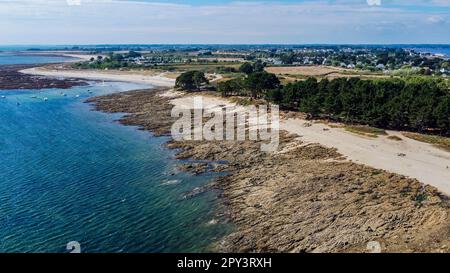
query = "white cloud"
x=73 y=2
x=113 y=21
x=374 y=2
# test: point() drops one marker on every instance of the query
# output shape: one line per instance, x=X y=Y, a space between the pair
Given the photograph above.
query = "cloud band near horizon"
x=227 y=22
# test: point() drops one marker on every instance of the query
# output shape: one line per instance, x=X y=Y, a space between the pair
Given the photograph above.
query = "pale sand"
x=423 y=161
x=124 y=76
x=77 y=55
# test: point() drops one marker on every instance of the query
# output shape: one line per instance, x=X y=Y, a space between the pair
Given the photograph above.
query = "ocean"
x=444 y=50
x=7 y=58
x=68 y=173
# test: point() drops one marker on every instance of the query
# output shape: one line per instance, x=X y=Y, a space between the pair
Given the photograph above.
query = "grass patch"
x=365 y=131
x=419 y=199
x=376 y=172
x=335 y=126
x=437 y=141
x=246 y=101
x=171 y=75
x=396 y=138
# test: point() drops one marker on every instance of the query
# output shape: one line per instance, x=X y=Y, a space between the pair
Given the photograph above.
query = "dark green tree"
x=191 y=80
x=259 y=66
x=442 y=115
x=259 y=83
x=246 y=68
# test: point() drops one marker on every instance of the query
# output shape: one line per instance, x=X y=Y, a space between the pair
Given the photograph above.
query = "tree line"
x=415 y=104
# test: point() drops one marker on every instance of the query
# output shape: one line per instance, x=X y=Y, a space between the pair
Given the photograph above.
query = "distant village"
x=382 y=59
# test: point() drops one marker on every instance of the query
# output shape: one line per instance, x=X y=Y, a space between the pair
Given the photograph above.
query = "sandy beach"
x=125 y=76
x=422 y=161
x=76 y=55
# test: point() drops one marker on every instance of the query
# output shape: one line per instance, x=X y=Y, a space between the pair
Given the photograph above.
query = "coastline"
x=274 y=200
x=76 y=56
x=57 y=71
x=302 y=199
x=11 y=77
x=422 y=161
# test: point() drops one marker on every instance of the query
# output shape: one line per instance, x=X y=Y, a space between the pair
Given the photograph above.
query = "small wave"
x=170 y=182
x=213 y=222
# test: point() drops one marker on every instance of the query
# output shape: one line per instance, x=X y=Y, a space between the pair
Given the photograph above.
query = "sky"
x=68 y=22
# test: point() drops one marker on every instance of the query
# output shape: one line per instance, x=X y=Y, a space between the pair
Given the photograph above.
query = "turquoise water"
x=71 y=174
x=7 y=58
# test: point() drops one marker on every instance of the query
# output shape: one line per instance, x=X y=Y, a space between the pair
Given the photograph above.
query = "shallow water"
x=8 y=58
x=71 y=174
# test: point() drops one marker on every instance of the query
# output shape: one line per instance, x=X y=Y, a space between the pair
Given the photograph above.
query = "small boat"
x=3 y=97
x=34 y=97
x=45 y=99
x=18 y=103
x=77 y=96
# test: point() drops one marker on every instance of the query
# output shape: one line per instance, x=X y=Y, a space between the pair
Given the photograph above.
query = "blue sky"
x=224 y=21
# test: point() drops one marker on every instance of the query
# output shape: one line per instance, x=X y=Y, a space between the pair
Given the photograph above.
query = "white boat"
x=3 y=97
x=45 y=99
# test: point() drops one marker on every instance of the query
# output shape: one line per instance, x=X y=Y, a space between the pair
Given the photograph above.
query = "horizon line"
x=227 y=44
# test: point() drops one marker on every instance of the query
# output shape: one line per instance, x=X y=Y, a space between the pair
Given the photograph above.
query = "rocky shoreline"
x=304 y=198
x=12 y=78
